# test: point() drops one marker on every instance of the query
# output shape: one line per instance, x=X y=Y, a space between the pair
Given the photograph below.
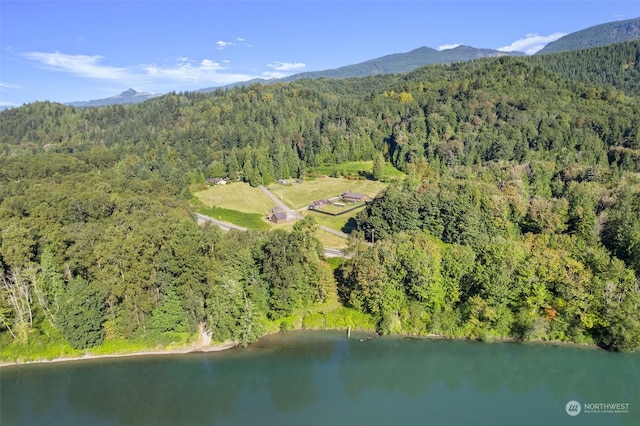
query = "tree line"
x=519 y=216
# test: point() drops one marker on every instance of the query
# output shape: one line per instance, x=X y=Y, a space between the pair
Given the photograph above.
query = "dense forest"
x=519 y=216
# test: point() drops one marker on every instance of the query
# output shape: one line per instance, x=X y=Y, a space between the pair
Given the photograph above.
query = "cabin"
x=217 y=181
x=278 y=215
x=319 y=204
x=351 y=197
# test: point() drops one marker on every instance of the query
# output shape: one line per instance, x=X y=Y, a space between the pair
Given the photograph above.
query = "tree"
x=378 y=167
x=16 y=293
x=621 y=231
x=81 y=315
x=170 y=315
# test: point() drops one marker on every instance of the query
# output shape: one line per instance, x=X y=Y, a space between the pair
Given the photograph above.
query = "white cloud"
x=449 y=46
x=184 y=70
x=286 y=66
x=4 y=86
x=80 y=65
x=531 y=43
x=238 y=41
x=207 y=71
x=222 y=44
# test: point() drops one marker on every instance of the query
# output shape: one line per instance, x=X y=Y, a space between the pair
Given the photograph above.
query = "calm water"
x=321 y=378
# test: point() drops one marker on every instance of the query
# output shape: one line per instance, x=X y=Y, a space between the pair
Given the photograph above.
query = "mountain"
x=129 y=96
x=390 y=64
x=598 y=35
x=404 y=62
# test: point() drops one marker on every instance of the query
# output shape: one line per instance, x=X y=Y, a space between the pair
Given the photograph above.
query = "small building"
x=217 y=181
x=318 y=204
x=278 y=215
x=351 y=197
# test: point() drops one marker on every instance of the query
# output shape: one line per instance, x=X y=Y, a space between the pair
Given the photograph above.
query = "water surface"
x=323 y=378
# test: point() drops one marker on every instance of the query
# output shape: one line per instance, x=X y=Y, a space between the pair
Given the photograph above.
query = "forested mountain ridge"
x=597 y=35
x=129 y=96
x=391 y=64
x=604 y=34
x=616 y=65
x=519 y=217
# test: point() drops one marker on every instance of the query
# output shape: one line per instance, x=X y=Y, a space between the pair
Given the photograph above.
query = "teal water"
x=323 y=378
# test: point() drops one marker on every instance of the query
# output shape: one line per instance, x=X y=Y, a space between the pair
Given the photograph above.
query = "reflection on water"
x=306 y=378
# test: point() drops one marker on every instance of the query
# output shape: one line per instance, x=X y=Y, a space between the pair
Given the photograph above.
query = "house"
x=278 y=215
x=318 y=204
x=351 y=197
x=217 y=181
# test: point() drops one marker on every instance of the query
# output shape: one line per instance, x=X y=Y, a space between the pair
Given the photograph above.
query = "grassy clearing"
x=300 y=195
x=238 y=196
x=355 y=168
x=240 y=204
x=335 y=222
x=248 y=220
x=327 y=239
x=341 y=209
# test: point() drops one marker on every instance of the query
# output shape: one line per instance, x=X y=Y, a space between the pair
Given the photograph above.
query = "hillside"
x=615 y=65
x=391 y=64
x=598 y=35
x=405 y=62
x=519 y=216
x=129 y=96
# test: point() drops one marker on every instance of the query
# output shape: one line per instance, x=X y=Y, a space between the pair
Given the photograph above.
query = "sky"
x=65 y=50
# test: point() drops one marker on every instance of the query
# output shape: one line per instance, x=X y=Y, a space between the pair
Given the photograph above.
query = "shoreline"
x=89 y=356
x=231 y=345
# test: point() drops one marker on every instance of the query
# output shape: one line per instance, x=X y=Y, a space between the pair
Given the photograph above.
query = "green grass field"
x=354 y=168
x=243 y=205
x=238 y=196
x=246 y=220
x=300 y=195
x=334 y=222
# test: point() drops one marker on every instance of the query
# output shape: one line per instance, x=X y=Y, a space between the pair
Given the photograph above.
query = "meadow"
x=241 y=204
x=300 y=195
x=355 y=168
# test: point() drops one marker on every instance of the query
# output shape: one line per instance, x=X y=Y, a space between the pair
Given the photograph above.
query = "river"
x=323 y=378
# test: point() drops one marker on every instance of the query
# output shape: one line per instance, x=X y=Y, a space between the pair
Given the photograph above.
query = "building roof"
x=279 y=216
x=352 y=195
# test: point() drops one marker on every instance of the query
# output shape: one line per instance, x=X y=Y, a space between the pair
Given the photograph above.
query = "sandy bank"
x=88 y=355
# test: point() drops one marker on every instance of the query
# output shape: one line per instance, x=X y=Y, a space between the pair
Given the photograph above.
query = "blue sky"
x=67 y=50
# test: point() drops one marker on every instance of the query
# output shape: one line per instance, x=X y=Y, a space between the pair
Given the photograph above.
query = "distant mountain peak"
x=129 y=96
x=130 y=93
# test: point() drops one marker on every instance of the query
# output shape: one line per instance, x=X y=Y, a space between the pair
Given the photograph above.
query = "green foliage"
x=81 y=315
x=378 y=167
x=621 y=231
x=598 y=35
x=170 y=315
x=518 y=216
